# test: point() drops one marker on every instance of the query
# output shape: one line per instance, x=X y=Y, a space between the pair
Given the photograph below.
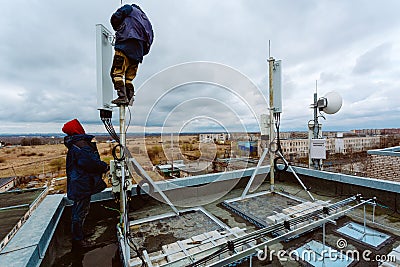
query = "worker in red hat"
x=84 y=176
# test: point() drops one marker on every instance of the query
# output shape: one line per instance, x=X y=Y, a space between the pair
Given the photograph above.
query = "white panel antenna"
x=104 y=57
x=277 y=86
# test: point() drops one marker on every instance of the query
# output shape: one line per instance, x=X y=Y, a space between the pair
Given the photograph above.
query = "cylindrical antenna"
x=269 y=48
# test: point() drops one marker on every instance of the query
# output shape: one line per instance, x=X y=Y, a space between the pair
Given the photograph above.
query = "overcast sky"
x=48 y=63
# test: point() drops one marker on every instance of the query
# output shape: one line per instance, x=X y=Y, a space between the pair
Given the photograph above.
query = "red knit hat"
x=73 y=127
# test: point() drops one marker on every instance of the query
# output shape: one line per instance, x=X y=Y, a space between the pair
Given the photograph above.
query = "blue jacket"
x=84 y=167
x=130 y=22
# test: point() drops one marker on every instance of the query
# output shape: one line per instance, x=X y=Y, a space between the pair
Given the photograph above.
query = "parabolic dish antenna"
x=333 y=103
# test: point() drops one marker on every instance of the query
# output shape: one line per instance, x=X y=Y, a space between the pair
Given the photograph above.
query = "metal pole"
x=172 y=154
x=365 y=222
x=271 y=62
x=316 y=128
x=260 y=161
x=323 y=244
x=373 y=211
x=295 y=175
x=135 y=166
x=122 y=202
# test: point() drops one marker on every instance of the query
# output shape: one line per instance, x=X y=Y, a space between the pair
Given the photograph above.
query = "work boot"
x=130 y=93
x=122 y=99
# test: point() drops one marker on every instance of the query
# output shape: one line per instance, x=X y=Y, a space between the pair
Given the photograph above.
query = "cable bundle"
x=105 y=116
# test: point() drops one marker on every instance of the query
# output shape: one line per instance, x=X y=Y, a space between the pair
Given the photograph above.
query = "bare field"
x=31 y=160
x=45 y=162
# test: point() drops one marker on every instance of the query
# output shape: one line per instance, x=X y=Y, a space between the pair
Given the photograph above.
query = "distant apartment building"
x=244 y=136
x=391 y=131
x=213 y=137
x=299 y=147
x=377 y=131
x=296 y=144
x=356 y=144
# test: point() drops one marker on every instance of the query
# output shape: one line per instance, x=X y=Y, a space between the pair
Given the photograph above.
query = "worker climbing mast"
x=130 y=45
x=132 y=41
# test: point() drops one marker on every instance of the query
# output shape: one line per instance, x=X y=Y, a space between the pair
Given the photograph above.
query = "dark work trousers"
x=79 y=211
x=122 y=67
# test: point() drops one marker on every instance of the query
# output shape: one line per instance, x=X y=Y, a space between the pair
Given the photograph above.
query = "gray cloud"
x=47 y=67
x=376 y=59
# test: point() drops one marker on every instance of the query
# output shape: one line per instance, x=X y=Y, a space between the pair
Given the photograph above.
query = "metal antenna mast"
x=123 y=196
x=330 y=104
x=317 y=162
x=275 y=110
x=271 y=62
